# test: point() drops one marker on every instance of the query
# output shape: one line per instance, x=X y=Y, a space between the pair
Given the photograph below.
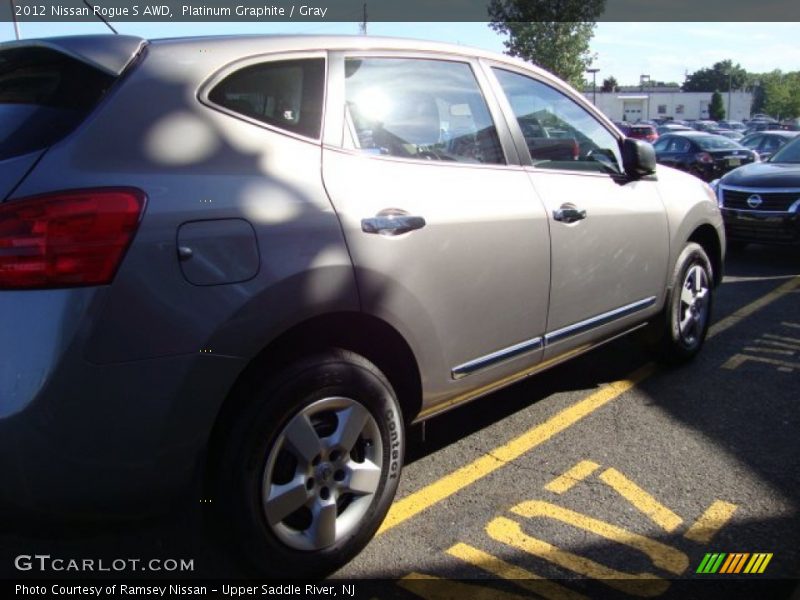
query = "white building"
x=655 y=104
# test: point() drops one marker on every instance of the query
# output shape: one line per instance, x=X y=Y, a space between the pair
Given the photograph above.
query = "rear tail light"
x=66 y=239
x=576 y=149
x=704 y=157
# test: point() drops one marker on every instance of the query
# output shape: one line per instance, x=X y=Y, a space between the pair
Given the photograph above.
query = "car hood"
x=770 y=175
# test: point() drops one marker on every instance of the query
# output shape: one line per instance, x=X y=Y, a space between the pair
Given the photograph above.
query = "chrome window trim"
x=495 y=357
x=597 y=321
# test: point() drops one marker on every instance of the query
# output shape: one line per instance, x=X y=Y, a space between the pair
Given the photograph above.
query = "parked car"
x=623 y=126
x=644 y=132
x=669 y=128
x=704 y=125
x=733 y=125
x=728 y=133
x=754 y=126
x=766 y=143
x=253 y=261
x=761 y=202
x=704 y=155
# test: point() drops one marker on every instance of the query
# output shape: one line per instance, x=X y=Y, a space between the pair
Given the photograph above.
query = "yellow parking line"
x=510 y=532
x=754 y=306
x=737 y=360
x=710 y=522
x=663 y=556
x=782 y=338
x=657 y=512
x=578 y=473
x=437 y=588
x=777 y=351
x=517 y=575
x=407 y=507
x=422 y=499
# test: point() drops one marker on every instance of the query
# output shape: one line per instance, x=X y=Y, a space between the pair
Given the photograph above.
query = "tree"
x=777 y=94
x=717 y=77
x=716 y=109
x=610 y=84
x=553 y=34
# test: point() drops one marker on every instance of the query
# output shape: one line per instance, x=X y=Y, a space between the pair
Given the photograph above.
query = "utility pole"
x=730 y=83
x=14 y=19
x=362 y=27
x=594 y=71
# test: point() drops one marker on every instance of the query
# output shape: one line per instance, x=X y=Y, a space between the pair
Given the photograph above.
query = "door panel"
x=465 y=277
x=613 y=258
x=609 y=238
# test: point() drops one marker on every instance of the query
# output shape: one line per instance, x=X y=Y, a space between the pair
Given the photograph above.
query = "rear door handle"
x=392 y=223
x=569 y=214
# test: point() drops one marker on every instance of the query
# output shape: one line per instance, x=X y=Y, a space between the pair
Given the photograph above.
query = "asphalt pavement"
x=606 y=469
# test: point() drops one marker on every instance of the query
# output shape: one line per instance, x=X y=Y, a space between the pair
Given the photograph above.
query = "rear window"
x=44 y=95
x=716 y=142
x=286 y=94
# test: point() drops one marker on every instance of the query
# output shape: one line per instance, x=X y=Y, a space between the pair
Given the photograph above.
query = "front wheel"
x=310 y=465
x=683 y=325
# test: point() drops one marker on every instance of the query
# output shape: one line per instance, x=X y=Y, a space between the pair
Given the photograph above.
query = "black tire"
x=316 y=405
x=678 y=334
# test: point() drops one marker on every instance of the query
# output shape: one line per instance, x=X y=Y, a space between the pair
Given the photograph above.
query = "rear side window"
x=419 y=109
x=285 y=94
x=44 y=95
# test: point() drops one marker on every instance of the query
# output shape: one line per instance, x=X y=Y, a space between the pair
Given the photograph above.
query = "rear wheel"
x=310 y=465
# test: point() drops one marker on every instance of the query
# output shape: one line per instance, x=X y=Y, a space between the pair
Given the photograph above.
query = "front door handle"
x=392 y=222
x=569 y=213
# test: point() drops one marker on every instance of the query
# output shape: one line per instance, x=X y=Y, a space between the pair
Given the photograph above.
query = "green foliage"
x=554 y=34
x=774 y=93
x=716 y=110
x=777 y=94
x=718 y=77
x=610 y=84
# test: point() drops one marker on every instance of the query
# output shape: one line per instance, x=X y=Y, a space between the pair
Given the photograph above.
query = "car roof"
x=112 y=53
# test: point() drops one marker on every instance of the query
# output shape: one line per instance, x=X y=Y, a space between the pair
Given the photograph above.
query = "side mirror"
x=638 y=158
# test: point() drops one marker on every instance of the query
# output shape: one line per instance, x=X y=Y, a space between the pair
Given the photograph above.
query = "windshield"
x=43 y=96
x=716 y=142
x=790 y=153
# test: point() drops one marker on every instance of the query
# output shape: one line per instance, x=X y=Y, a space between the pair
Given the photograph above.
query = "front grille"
x=770 y=201
x=778 y=235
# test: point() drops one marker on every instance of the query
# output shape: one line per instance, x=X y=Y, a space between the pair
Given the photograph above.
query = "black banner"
x=166 y=11
x=431 y=588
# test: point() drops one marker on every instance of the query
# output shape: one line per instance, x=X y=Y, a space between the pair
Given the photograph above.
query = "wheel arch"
x=706 y=236
x=361 y=333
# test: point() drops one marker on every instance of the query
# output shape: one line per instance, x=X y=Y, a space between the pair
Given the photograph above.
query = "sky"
x=665 y=51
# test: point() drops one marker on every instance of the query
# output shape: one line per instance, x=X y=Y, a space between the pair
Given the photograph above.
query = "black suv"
x=761 y=202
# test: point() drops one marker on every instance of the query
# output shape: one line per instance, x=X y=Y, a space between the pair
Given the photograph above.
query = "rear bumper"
x=762 y=227
x=91 y=441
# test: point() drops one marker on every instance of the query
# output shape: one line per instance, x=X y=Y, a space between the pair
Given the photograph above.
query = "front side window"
x=418 y=109
x=285 y=94
x=558 y=132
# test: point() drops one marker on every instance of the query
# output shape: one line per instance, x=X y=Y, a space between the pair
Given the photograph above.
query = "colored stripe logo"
x=734 y=563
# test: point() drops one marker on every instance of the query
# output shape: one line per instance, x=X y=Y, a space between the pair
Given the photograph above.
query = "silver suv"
x=253 y=261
